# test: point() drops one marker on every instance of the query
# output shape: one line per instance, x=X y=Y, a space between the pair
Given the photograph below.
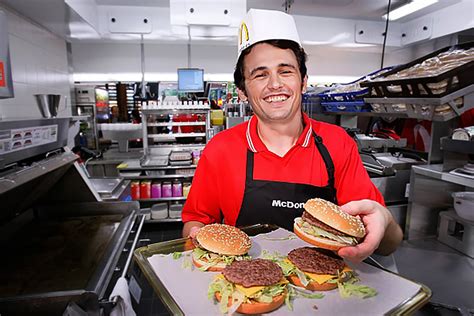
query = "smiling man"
x=264 y=170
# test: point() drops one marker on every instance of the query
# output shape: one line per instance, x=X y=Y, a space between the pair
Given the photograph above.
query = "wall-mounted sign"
x=6 y=84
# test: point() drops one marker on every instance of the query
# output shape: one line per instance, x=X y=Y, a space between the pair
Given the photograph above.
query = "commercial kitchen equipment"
x=63 y=247
x=389 y=169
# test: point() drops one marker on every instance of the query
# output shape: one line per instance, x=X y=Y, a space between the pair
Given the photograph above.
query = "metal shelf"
x=467 y=93
x=165 y=176
x=182 y=198
x=176 y=108
x=176 y=135
x=177 y=124
x=436 y=172
x=163 y=220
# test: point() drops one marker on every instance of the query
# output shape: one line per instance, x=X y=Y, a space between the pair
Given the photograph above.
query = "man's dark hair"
x=299 y=52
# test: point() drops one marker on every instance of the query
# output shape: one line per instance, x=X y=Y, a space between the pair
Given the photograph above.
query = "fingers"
x=194 y=231
x=360 y=207
x=375 y=232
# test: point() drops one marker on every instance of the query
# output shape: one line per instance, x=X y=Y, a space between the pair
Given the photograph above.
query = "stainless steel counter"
x=448 y=273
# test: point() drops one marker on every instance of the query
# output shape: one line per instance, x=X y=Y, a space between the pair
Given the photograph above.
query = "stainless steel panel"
x=8 y=156
x=429 y=195
x=456 y=232
x=393 y=187
x=21 y=187
x=105 y=185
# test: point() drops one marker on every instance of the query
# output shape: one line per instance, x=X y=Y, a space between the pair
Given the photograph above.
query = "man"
x=263 y=170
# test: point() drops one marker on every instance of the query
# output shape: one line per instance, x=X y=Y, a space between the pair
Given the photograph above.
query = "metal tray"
x=142 y=254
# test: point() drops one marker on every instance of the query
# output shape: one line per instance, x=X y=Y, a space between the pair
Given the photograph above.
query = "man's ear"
x=304 y=84
x=242 y=95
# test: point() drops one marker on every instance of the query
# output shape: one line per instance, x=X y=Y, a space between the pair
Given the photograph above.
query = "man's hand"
x=194 y=231
x=382 y=233
x=190 y=229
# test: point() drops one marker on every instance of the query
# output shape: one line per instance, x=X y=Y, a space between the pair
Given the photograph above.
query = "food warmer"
x=63 y=247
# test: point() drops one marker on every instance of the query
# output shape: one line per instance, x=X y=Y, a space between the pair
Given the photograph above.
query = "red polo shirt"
x=218 y=186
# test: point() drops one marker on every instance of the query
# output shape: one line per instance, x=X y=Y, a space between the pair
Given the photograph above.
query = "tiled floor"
x=149 y=303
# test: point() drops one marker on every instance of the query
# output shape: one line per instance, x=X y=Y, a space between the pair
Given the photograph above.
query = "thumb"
x=358 y=207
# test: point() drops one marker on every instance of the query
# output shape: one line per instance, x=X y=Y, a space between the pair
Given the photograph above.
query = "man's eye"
x=259 y=76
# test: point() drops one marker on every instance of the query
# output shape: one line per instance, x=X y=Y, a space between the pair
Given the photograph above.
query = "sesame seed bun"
x=331 y=215
x=223 y=239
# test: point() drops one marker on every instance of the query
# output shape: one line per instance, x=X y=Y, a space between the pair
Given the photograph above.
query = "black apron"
x=279 y=203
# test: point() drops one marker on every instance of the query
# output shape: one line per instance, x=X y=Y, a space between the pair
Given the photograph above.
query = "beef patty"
x=313 y=260
x=256 y=272
x=315 y=222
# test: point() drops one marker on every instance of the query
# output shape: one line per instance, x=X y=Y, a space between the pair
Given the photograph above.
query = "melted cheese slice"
x=249 y=291
x=322 y=278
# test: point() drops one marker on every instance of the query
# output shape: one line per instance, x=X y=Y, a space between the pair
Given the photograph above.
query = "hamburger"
x=218 y=245
x=315 y=269
x=249 y=287
x=325 y=225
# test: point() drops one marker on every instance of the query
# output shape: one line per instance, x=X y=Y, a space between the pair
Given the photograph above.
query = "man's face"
x=273 y=83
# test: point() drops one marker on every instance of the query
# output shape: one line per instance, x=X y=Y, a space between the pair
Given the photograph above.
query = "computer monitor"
x=190 y=80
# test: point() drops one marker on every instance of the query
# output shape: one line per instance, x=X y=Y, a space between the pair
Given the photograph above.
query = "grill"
x=61 y=243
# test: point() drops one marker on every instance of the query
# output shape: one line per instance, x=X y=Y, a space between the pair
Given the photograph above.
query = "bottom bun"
x=257 y=307
x=319 y=242
x=312 y=286
x=199 y=263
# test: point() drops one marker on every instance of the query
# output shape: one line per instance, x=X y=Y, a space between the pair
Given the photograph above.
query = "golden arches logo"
x=243 y=28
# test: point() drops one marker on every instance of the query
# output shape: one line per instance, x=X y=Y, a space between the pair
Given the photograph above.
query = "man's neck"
x=280 y=138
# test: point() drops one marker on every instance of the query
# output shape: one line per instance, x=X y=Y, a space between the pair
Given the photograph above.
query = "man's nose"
x=274 y=81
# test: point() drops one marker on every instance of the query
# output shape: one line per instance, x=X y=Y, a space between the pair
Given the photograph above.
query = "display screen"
x=190 y=80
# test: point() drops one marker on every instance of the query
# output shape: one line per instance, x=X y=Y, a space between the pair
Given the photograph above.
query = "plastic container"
x=177 y=189
x=159 y=211
x=464 y=205
x=186 y=189
x=145 y=190
x=166 y=190
x=175 y=210
x=135 y=190
x=155 y=190
x=196 y=156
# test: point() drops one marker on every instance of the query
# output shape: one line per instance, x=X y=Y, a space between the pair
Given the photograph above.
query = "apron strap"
x=249 y=167
x=328 y=162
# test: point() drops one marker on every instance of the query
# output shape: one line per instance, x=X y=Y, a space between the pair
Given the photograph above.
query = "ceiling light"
x=409 y=8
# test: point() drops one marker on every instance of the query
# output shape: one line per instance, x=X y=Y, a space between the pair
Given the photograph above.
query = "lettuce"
x=214 y=258
x=228 y=290
x=318 y=232
x=349 y=288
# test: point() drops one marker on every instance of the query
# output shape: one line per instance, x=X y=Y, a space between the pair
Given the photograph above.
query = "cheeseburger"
x=325 y=225
x=249 y=287
x=218 y=245
x=315 y=269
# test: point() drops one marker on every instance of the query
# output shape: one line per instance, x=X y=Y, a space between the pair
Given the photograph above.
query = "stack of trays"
x=438 y=86
x=180 y=158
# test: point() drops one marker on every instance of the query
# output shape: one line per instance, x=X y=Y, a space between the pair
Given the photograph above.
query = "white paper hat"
x=262 y=25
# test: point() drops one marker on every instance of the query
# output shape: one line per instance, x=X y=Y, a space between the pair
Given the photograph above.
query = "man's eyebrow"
x=286 y=65
x=257 y=69
x=264 y=68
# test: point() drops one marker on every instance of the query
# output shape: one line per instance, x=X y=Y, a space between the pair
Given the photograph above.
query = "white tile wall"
x=39 y=65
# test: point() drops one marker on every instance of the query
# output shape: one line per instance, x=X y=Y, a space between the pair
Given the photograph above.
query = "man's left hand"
x=376 y=219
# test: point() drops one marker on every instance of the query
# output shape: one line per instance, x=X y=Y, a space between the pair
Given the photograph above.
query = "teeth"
x=276 y=98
